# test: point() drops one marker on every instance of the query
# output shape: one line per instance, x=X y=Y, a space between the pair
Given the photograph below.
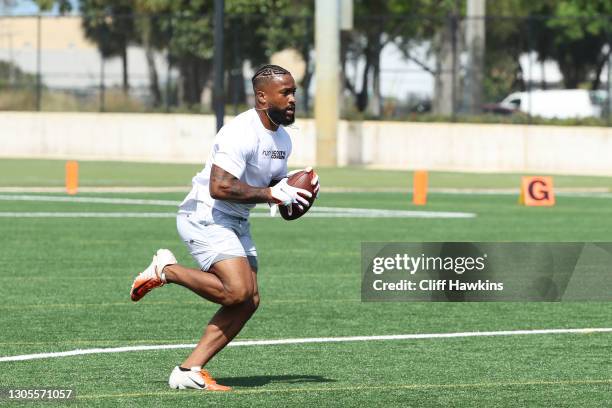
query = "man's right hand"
x=284 y=194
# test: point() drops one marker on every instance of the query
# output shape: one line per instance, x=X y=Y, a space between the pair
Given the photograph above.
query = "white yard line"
x=365 y=213
x=603 y=192
x=110 y=189
x=93 y=200
x=309 y=340
x=260 y=212
x=43 y=214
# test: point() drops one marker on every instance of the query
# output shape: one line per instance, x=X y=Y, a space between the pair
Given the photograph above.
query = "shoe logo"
x=201 y=385
x=139 y=287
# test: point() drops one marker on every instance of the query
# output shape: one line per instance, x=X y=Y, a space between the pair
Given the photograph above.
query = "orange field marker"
x=72 y=177
x=537 y=191
x=419 y=188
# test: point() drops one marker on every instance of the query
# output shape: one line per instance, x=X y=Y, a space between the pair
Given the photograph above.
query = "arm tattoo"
x=224 y=186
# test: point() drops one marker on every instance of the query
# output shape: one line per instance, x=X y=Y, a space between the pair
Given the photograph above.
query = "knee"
x=255 y=302
x=237 y=297
x=251 y=304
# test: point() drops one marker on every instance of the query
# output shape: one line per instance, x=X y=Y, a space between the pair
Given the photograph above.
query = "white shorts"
x=215 y=236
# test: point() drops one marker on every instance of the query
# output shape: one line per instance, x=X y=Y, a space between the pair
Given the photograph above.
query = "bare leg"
x=233 y=284
x=227 y=283
x=222 y=328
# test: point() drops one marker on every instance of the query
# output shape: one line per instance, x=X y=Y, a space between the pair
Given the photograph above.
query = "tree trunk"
x=376 y=101
x=180 y=86
x=598 y=70
x=362 y=97
x=153 y=77
x=150 y=57
x=345 y=83
x=305 y=85
x=519 y=79
x=189 y=84
x=124 y=60
x=571 y=76
x=194 y=74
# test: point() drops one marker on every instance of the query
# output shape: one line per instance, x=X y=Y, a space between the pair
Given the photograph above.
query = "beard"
x=280 y=116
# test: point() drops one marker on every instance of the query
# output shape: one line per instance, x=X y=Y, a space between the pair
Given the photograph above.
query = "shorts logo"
x=275 y=154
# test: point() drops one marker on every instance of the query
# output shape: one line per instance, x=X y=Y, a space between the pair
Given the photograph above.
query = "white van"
x=560 y=104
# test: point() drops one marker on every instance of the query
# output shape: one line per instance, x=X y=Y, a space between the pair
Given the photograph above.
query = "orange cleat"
x=152 y=277
x=197 y=378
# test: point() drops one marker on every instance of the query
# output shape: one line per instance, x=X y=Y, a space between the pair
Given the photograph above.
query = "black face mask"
x=280 y=117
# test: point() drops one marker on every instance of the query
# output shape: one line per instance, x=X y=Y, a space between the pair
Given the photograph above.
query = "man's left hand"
x=314 y=182
x=315 y=179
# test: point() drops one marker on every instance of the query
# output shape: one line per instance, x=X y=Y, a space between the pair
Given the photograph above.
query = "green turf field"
x=65 y=286
x=37 y=173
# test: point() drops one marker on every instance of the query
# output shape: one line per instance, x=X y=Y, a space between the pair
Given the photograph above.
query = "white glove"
x=284 y=194
x=314 y=181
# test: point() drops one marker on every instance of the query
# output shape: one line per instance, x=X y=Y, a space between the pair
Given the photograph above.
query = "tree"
x=580 y=30
x=254 y=30
x=149 y=26
x=435 y=24
x=185 y=30
x=246 y=39
x=111 y=26
x=64 y=6
x=445 y=42
x=282 y=24
x=146 y=27
x=377 y=23
x=508 y=34
x=11 y=74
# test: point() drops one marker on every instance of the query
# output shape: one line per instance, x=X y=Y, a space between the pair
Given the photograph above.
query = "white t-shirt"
x=247 y=150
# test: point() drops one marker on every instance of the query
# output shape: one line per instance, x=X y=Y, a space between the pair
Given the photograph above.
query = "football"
x=301 y=179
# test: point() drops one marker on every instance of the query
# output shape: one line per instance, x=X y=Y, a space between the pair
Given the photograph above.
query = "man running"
x=247 y=165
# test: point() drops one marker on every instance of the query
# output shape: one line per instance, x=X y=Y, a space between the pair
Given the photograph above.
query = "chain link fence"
x=392 y=67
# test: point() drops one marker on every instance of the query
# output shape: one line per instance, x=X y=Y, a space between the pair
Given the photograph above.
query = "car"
x=551 y=104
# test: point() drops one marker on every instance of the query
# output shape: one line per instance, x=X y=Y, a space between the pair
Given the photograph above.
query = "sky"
x=28 y=7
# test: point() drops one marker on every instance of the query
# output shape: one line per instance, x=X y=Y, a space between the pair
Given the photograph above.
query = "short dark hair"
x=267 y=71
